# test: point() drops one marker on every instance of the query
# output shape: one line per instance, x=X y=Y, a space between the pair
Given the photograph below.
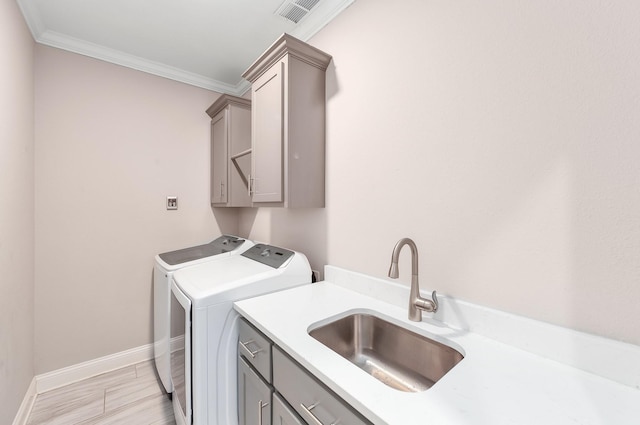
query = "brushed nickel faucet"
x=417 y=304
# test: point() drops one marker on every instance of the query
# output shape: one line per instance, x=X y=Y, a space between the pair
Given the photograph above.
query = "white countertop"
x=494 y=384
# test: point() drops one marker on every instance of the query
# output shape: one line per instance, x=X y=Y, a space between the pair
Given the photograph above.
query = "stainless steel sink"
x=401 y=359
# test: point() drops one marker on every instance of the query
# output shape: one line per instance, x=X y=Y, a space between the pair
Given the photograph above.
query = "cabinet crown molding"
x=223 y=101
x=284 y=45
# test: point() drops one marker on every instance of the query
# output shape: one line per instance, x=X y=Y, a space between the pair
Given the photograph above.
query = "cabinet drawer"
x=314 y=403
x=256 y=348
x=254 y=397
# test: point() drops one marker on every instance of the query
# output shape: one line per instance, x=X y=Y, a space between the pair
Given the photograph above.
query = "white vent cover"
x=295 y=10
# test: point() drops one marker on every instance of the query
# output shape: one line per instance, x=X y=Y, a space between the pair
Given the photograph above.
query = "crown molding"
x=53 y=39
x=32 y=17
x=308 y=27
x=64 y=42
x=284 y=45
x=225 y=100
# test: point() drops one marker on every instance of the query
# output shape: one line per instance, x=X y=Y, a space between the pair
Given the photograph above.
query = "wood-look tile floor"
x=131 y=395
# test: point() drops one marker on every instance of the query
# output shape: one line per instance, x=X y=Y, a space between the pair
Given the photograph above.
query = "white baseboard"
x=176 y=343
x=68 y=375
x=27 y=404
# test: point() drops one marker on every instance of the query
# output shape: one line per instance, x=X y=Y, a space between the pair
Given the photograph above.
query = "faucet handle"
x=434 y=299
x=424 y=304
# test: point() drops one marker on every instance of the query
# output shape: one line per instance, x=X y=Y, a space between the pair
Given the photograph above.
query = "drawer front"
x=314 y=403
x=282 y=413
x=254 y=397
x=256 y=348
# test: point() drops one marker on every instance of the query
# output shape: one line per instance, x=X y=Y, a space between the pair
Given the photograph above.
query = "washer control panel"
x=269 y=255
x=224 y=243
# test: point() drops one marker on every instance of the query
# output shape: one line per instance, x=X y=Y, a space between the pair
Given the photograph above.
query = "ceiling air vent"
x=295 y=10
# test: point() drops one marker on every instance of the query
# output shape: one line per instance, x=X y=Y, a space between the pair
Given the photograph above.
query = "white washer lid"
x=237 y=277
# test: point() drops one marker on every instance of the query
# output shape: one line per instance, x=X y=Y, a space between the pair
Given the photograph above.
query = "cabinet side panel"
x=306 y=135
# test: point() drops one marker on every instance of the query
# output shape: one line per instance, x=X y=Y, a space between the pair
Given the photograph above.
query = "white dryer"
x=165 y=265
x=204 y=370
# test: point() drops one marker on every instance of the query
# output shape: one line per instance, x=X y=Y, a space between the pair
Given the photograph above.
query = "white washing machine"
x=165 y=265
x=204 y=370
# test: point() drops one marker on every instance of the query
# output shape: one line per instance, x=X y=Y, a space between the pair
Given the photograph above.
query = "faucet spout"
x=394 y=273
x=417 y=304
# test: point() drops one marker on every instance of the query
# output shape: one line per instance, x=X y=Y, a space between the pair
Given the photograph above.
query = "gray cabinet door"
x=254 y=397
x=219 y=158
x=282 y=413
x=268 y=135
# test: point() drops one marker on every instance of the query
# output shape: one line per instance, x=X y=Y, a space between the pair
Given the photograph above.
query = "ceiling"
x=206 y=43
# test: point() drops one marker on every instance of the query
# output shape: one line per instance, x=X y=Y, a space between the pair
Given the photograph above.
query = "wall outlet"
x=315 y=276
x=172 y=202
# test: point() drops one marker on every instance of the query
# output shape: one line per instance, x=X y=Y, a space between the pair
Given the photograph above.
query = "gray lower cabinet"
x=254 y=396
x=283 y=414
x=315 y=403
x=256 y=349
x=274 y=389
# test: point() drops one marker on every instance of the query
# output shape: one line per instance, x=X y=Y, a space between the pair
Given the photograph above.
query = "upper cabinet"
x=230 y=151
x=288 y=125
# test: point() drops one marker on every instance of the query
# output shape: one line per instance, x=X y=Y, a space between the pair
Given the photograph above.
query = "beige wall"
x=16 y=210
x=502 y=137
x=111 y=144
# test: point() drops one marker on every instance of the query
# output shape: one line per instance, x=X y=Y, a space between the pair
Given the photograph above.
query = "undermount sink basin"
x=398 y=357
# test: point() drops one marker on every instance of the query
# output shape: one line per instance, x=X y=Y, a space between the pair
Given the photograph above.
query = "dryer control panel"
x=269 y=255
x=224 y=243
